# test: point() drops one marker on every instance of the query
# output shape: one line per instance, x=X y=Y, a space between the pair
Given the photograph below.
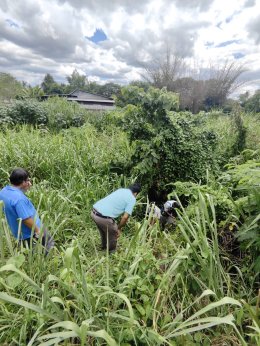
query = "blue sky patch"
x=227 y=43
x=98 y=36
x=209 y=44
x=238 y=55
x=11 y=23
x=219 y=25
x=228 y=19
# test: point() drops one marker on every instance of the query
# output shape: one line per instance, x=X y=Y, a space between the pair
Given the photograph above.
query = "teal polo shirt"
x=118 y=202
x=18 y=206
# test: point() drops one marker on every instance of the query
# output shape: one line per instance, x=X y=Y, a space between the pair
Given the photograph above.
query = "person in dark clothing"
x=169 y=214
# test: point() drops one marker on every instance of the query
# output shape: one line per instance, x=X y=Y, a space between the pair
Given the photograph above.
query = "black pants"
x=46 y=241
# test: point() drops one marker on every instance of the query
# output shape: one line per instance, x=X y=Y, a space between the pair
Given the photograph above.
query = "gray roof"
x=83 y=95
x=83 y=99
x=88 y=100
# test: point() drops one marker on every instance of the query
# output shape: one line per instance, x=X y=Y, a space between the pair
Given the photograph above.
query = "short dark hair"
x=135 y=188
x=18 y=175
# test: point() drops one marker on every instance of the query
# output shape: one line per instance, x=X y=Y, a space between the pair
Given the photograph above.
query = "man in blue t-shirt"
x=105 y=211
x=20 y=213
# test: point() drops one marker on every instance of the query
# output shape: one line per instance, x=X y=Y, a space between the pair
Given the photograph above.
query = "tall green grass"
x=157 y=289
x=127 y=297
x=223 y=125
x=74 y=153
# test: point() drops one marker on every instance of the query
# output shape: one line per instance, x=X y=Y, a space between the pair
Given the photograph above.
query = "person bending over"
x=104 y=212
x=169 y=214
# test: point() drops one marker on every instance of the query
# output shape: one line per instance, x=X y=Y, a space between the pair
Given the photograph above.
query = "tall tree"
x=251 y=103
x=33 y=92
x=141 y=84
x=47 y=83
x=110 y=89
x=10 y=88
x=163 y=72
x=191 y=93
x=76 y=81
x=223 y=82
x=195 y=93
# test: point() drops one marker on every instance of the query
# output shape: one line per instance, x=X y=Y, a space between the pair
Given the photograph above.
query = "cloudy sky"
x=111 y=40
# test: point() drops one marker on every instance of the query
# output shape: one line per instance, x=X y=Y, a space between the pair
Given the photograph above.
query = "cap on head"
x=170 y=205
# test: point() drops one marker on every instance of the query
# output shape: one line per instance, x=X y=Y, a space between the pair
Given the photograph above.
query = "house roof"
x=87 y=100
x=81 y=94
x=83 y=99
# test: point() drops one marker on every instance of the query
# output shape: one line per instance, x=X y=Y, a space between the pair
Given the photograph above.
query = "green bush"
x=63 y=114
x=23 y=112
x=243 y=178
x=168 y=145
x=189 y=192
x=56 y=113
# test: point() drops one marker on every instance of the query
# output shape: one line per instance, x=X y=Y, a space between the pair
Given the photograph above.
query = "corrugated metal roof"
x=81 y=94
x=89 y=100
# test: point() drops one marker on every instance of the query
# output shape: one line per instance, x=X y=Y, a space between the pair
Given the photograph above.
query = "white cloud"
x=41 y=36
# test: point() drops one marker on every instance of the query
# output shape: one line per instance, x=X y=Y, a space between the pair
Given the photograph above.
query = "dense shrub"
x=236 y=196
x=63 y=114
x=243 y=179
x=251 y=103
x=23 y=112
x=189 y=193
x=168 y=145
x=55 y=113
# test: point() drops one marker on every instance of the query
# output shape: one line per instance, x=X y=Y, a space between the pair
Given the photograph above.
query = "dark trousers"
x=166 y=221
x=46 y=241
x=108 y=231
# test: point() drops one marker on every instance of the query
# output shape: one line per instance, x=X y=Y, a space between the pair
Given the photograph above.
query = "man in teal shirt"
x=121 y=201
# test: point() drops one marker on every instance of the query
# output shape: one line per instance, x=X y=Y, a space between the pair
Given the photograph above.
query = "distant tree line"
x=195 y=94
x=78 y=81
x=250 y=103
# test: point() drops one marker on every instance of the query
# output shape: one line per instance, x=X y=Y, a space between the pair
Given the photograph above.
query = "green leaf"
x=202 y=323
x=121 y=296
x=56 y=338
x=6 y=297
x=11 y=267
x=16 y=260
x=66 y=325
x=223 y=301
x=103 y=335
x=140 y=309
x=14 y=280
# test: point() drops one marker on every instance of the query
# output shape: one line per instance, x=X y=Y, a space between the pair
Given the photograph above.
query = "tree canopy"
x=168 y=145
x=9 y=87
x=251 y=103
x=195 y=93
x=77 y=81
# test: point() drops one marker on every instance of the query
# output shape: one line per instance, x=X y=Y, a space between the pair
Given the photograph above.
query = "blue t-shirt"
x=18 y=206
x=118 y=202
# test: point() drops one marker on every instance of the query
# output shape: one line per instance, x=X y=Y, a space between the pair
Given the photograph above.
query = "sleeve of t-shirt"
x=23 y=210
x=130 y=206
